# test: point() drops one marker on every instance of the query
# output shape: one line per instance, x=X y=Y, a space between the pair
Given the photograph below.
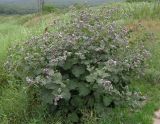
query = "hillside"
x=19 y=103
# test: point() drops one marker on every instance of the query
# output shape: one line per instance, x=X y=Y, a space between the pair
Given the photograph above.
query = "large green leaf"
x=72 y=84
x=77 y=101
x=77 y=71
x=52 y=86
x=47 y=96
x=99 y=107
x=57 y=76
x=91 y=78
x=66 y=94
x=107 y=100
x=69 y=63
x=54 y=83
x=73 y=117
x=83 y=90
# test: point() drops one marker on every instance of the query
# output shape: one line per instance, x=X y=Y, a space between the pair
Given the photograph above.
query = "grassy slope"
x=150 y=86
x=18 y=28
x=13 y=101
x=14 y=29
x=148 y=16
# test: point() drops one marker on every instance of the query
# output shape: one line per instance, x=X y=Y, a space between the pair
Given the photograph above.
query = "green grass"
x=143 y=10
x=140 y=10
x=11 y=31
x=14 y=100
x=18 y=28
x=125 y=115
x=140 y=0
x=149 y=86
x=13 y=104
x=146 y=14
x=143 y=115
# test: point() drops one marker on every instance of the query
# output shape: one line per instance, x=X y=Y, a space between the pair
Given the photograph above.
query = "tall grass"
x=140 y=0
x=14 y=101
x=18 y=28
x=143 y=10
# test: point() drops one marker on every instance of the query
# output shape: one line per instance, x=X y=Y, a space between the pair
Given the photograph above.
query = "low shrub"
x=87 y=64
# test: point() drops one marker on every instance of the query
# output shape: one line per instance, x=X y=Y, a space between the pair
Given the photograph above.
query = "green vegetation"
x=140 y=0
x=49 y=8
x=20 y=103
x=86 y=65
x=17 y=8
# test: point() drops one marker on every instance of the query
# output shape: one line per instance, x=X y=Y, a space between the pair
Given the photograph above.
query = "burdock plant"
x=88 y=64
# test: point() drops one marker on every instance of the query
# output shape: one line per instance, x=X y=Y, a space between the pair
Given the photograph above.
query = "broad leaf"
x=83 y=90
x=77 y=71
x=107 y=100
x=47 y=96
x=66 y=94
x=69 y=63
x=72 y=84
x=73 y=117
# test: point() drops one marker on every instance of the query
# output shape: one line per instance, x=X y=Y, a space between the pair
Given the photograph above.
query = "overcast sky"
x=58 y=2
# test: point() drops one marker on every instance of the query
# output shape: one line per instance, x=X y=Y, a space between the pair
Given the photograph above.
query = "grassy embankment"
x=14 y=29
x=13 y=97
